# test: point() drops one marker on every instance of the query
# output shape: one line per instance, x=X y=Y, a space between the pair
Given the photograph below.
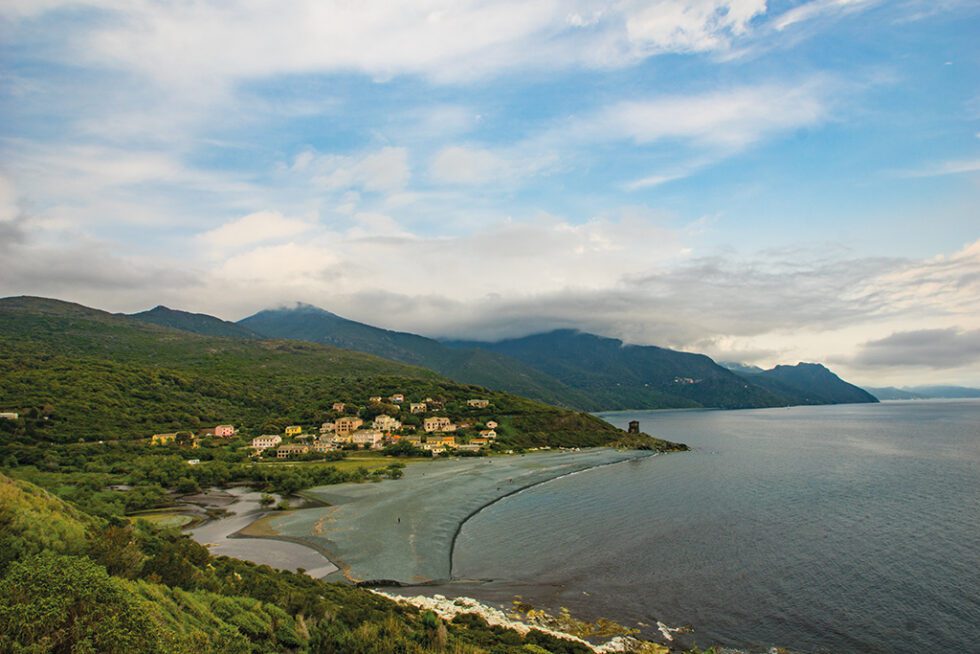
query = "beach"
x=400 y=532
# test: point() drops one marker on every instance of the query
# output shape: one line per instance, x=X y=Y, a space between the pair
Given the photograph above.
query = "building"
x=224 y=431
x=386 y=423
x=338 y=406
x=444 y=441
x=286 y=451
x=321 y=446
x=193 y=462
x=417 y=407
x=470 y=447
x=162 y=439
x=478 y=404
x=327 y=428
x=9 y=415
x=438 y=423
x=266 y=441
x=488 y=433
x=294 y=430
x=634 y=427
x=375 y=399
x=480 y=440
x=369 y=439
x=397 y=398
x=491 y=424
x=413 y=440
x=346 y=425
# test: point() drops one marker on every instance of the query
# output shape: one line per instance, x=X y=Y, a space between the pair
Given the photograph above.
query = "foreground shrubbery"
x=71 y=582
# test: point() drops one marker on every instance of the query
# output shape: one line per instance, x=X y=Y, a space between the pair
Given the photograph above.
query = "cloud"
x=254 y=228
x=466 y=165
x=207 y=42
x=952 y=167
x=929 y=348
x=818 y=8
x=730 y=119
x=382 y=171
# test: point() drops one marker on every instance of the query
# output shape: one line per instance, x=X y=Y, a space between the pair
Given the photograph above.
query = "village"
x=421 y=428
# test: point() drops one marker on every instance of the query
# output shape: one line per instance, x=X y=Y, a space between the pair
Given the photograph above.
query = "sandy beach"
x=403 y=531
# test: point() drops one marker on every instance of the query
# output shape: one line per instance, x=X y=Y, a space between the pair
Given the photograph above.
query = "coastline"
x=402 y=533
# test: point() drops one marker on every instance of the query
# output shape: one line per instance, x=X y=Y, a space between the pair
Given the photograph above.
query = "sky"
x=764 y=182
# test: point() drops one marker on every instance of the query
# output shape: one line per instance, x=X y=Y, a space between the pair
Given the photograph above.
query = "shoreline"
x=475 y=512
x=365 y=551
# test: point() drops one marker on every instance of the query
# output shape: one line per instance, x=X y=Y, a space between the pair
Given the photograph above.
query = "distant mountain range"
x=563 y=367
x=924 y=392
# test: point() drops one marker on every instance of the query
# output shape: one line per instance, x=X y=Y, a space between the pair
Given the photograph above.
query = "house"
x=413 y=440
x=478 y=404
x=488 y=433
x=346 y=425
x=375 y=399
x=224 y=431
x=266 y=441
x=397 y=398
x=293 y=430
x=470 y=447
x=9 y=415
x=491 y=424
x=162 y=439
x=193 y=462
x=286 y=451
x=369 y=439
x=435 y=449
x=386 y=423
x=443 y=441
x=417 y=407
x=322 y=446
x=327 y=428
x=438 y=423
x=338 y=406
x=480 y=440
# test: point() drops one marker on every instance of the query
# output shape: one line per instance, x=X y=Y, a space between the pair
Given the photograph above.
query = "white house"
x=266 y=441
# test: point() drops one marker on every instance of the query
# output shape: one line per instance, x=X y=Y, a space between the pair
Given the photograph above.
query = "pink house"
x=224 y=431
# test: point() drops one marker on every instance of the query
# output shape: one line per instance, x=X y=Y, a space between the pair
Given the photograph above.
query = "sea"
x=848 y=528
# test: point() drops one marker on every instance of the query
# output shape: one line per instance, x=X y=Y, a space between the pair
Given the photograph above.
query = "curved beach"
x=403 y=532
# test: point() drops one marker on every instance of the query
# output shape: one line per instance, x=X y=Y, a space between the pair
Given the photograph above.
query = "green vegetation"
x=77 y=583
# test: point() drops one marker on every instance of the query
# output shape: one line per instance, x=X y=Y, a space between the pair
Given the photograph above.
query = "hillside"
x=198 y=323
x=71 y=582
x=618 y=376
x=810 y=383
x=76 y=373
x=923 y=392
x=466 y=365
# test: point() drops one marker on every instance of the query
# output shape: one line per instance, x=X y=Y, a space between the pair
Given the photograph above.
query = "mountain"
x=197 y=323
x=810 y=383
x=76 y=373
x=740 y=368
x=924 y=392
x=466 y=365
x=618 y=376
x=892 y=393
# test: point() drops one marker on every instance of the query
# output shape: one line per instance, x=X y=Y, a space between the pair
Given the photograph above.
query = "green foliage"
x=162 y=592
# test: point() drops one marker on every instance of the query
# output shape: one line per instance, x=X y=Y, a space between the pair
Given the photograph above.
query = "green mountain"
x=198 y=323
x=467 y=365
x=77 y=373
x=618 y=376
x=810 y=383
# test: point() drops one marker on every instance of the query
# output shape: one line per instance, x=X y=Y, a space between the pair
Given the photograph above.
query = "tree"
x=54 y=603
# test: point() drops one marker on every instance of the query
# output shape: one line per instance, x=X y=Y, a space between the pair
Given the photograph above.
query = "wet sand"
x=403 y=531
x=220 y=537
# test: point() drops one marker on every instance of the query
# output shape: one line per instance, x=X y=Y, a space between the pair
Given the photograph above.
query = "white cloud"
x=953 y=167
x=466 y=165
x=383 y=171
x=200 y=44
x=259 y=227
x=731 y=119
x=818 y=8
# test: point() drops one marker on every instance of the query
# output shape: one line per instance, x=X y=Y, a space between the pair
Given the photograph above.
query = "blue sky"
x=767 y=182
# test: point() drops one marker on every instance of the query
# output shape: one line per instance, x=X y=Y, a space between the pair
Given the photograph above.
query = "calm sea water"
x=823 y=529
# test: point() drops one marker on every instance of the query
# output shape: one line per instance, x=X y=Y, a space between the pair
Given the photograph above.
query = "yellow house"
x=444 y=441
x=294 y=430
